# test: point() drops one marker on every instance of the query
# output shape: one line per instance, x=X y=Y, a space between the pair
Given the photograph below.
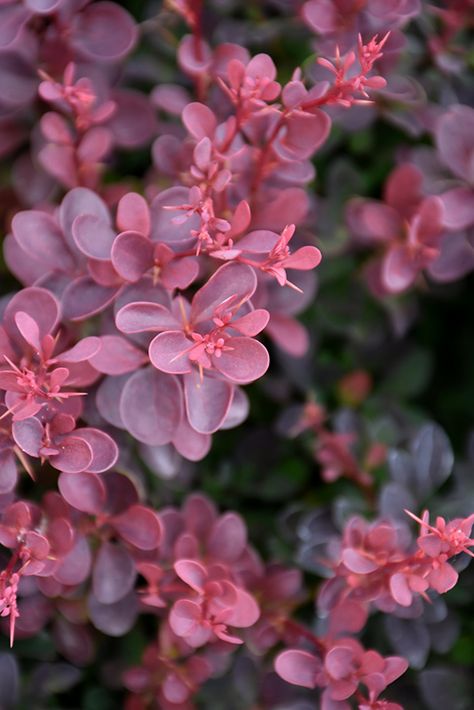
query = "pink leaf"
x=192 y=573
x=184 y=617
x=430 y=220
x=61 y=535
x=175 y=689
x=194 y=57
x=84 y=491
x=59 y=161
x=288 y=206
x=357 y=562
x=260 y=241
x=338 y=662
x=403 y=189
x=252 y=323
x=430 y=544
x=83 y=350
x=168 y=352
x=94 y=147
x=139 y=526
x=12 y=20
x=200 y=514
x=180 y=272
x=231 y=281
x=142 y=316
x=164 y=229
x=443 y=578
x=398 y=270
x=84 y=298
x=80 y=201
x=171 y=98
x=132 y=255
x=245 y=361
x=289 y=334
x=394 y=668
x=29 y=329
x=75 y=455
x=151 y=406
x=93 y=236
x=228 y=538
x=133 y=214
x=298 y=668
x=207 y=402
x=305 y=133
x=190 y=443
x=28 y=435
x=373 y=222
x=39 y=304
x=117 y=356
x=400 y=590
x=104 y=449
x=245 y=612
x=305 y=258
x=39 y=235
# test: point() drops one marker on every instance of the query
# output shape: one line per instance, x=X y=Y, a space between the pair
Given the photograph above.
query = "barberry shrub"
x=178 y=180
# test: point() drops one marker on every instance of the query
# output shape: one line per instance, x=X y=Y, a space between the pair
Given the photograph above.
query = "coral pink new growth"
x=377 y=563
x=406 y=228
x=344 y=666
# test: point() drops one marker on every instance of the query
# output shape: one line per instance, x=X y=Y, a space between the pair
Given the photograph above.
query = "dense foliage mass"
x=178 y=179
